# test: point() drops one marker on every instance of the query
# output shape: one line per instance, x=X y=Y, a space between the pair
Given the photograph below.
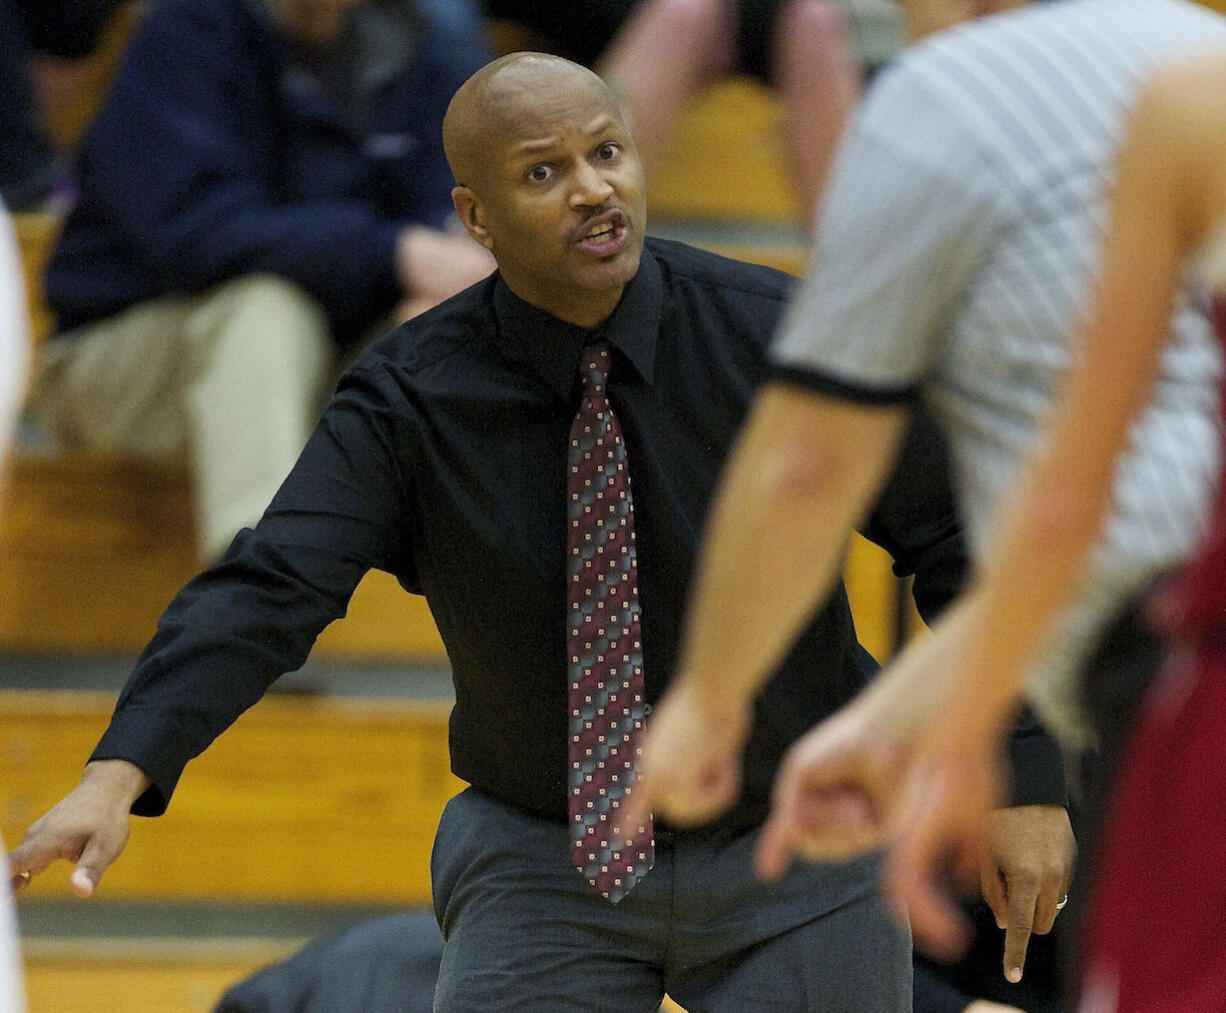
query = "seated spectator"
x=14 y=346
x=264 y=187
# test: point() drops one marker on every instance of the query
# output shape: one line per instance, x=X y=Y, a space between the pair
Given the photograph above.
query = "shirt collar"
x=552 y=347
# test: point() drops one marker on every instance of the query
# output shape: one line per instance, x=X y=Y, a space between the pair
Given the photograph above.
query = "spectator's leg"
x=263 y=360
x=232 y=381
x=663 y=56
x=818 y=84
x=110 y=387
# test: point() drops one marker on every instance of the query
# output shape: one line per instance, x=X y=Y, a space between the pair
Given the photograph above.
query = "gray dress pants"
x=525 y=932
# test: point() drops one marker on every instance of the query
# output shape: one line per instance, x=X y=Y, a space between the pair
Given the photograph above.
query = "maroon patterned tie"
x=604 y=645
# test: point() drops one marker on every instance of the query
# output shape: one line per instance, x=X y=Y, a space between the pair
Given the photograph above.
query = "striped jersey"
x=953 y=260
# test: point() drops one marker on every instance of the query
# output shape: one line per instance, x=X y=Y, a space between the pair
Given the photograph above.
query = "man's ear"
x=470 y=211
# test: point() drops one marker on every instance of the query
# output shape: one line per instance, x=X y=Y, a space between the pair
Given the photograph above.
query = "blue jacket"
x=216 y=156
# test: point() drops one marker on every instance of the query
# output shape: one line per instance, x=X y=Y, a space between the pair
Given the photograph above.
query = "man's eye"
x=540 y=173
x=607 y=151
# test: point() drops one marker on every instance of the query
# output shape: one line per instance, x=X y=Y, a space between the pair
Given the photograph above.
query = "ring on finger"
x=1061 y=906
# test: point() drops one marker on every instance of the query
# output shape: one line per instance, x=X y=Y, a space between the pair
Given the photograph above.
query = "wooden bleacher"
x=303 y=800
x=727 y=161
x=316 y=801
x=140 y=975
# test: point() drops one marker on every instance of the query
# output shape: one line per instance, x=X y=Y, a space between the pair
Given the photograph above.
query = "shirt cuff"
x=820 y=383
x=1037 y=767
x=134 y=737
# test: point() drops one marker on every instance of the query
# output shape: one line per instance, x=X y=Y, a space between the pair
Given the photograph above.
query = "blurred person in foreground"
x=264 y=187
x=535 y=455
x=952 y=264
x=1152 y=928
x=14 y=356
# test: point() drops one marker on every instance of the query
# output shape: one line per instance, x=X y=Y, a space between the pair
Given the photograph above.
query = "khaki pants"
x=231 y=381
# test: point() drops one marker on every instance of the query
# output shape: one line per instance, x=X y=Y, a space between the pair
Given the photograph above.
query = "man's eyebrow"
x=534 y=147
x=526 y=149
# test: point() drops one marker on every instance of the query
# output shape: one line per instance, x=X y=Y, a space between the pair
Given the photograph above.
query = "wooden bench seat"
x=92 y=549
x=139 y=976
x=148 y=976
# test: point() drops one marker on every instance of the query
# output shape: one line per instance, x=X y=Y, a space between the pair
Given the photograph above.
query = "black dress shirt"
x=442 y=460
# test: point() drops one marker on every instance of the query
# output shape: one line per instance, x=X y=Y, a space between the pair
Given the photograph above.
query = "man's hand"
x=1027 y=868
x=834 y=794
x=435 y=264
x=88 y=826
x=689 y=770
x=939 y=841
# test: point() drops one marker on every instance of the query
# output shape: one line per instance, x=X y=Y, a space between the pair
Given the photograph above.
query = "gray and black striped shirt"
x=954 y=255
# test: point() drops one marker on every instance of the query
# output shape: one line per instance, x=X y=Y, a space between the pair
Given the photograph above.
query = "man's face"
x=560 y=200
x=314 y=22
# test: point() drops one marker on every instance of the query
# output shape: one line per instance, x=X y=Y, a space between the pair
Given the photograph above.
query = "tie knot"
x=594 y=366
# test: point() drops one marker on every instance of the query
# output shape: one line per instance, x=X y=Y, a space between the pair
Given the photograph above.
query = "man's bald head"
x=548 y=180
x=505 y=94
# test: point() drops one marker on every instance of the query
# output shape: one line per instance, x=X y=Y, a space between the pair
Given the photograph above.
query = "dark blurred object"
x=951 y=988
x=387 y=965
x=32 y=168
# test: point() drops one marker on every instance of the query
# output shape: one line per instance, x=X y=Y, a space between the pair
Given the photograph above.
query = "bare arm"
x=765 y=567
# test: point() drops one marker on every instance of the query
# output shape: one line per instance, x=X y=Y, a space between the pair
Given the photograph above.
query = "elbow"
x=795 y=473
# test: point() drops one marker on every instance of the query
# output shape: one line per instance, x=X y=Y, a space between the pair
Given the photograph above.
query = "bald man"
x=455 y=455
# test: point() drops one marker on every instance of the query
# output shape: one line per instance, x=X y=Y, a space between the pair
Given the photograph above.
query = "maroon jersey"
x=1195 y=608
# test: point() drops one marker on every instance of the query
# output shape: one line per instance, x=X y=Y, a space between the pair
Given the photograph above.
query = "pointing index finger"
x=1022 y=901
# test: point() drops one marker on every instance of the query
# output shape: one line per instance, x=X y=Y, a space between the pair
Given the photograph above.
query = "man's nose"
x=591 y=187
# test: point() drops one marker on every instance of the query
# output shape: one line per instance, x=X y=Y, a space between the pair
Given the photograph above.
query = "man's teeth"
x=598 y=231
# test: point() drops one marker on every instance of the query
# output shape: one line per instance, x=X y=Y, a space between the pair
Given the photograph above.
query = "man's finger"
x=1023 y=897
x=913 y=878
x=773 y=852
x=634 y=810
x=94 y=861
x=18 y=881
x=995 y=893
x=24 y=864
x=1048 y=907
